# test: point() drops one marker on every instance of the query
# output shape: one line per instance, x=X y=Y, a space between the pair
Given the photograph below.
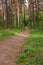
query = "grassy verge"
x=33 y=51
x=7 y=33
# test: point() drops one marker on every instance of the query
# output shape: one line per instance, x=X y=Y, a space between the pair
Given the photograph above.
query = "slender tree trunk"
x=31 y=7
x=24 y=16
x=5 y=13
x=18 y=16
x=37 y=13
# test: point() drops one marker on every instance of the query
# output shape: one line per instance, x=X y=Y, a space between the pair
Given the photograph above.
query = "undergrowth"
x=33 y=51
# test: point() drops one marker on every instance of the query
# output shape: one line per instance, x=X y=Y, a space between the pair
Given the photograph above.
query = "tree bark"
x=31 y=7
x=37 y=13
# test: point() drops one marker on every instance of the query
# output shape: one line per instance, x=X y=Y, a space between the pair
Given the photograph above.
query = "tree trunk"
x=5 y=13
x=37 y=13
x=31 y=7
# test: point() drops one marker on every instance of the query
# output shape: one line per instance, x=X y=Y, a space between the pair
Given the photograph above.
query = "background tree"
x=31 y=11
x=37 y=13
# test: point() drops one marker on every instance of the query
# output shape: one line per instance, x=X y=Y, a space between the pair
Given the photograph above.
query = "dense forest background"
x=21 y=13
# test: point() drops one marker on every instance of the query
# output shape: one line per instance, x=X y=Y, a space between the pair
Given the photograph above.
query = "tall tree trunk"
x=31 y=7
x=5 y=13
x=16 y=12
x=37 y=13
x=18 y=15
x=24 y=16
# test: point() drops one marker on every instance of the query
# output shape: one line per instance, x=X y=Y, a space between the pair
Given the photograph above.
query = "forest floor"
x=11 y=48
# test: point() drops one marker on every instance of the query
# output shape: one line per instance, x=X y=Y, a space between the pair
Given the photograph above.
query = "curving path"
x=11 y=48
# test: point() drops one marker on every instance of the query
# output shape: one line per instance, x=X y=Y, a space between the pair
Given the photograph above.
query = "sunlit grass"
x=7 y=33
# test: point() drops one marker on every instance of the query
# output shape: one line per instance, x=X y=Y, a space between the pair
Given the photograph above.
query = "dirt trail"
x=11 y=48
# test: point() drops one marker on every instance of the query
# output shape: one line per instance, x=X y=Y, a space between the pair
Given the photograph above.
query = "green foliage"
x=34 y=48
x=1 y=23
x=28 y=21
x=35 y=21
x=21 y=23
x=41 y=20
x=22 y=58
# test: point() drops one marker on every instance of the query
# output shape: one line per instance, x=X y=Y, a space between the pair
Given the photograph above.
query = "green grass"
x=33 y=51
x=7 y=33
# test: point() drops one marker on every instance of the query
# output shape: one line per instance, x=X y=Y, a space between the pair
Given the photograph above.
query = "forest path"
x=10 y=48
